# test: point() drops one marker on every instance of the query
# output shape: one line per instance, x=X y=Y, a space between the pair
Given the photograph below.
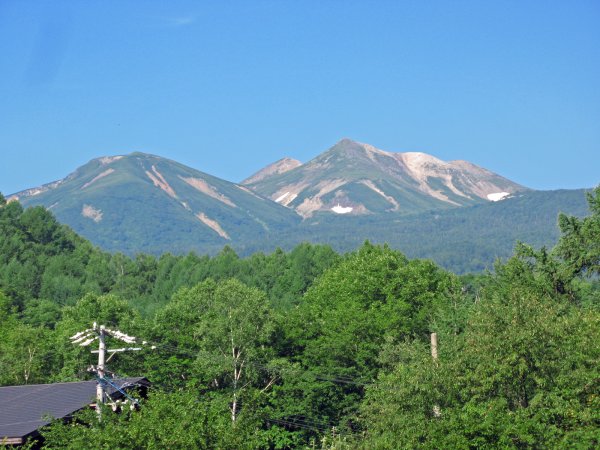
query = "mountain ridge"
x=280 y=166
x=363 y=179
x=131 y=200
x=140 y=202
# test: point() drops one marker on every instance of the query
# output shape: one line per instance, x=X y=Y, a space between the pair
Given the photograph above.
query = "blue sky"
x=228 y=87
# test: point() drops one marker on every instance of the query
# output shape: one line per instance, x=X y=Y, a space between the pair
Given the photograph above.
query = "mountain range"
x=351 y=192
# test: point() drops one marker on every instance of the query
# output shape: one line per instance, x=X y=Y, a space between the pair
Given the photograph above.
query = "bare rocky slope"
x=356 y=179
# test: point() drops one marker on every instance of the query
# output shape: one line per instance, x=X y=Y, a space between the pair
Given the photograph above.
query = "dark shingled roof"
x=23 y=409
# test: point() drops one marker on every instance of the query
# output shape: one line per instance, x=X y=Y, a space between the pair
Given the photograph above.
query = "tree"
x=39 y=224
x=228 y=326
x=176 y=420
x=25 y=351
x=523 y=374
x=579 y=245
x=337 y=332
x=107 y=310
x=374 y=292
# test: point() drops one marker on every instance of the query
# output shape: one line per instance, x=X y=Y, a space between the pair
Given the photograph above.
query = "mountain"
x=356 y=179
x=141 y=202
x=278 y=167
x=421 y=205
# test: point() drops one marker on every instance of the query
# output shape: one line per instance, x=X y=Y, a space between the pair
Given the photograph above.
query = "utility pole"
x=100 y=370
x=86 y=337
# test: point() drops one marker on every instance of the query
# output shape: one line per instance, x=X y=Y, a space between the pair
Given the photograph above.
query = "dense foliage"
x=312 y=349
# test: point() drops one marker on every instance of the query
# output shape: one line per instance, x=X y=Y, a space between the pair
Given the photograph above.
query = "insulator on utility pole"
x=121 y=336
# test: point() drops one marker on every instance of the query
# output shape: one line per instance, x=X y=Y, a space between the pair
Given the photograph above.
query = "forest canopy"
x=310 y=348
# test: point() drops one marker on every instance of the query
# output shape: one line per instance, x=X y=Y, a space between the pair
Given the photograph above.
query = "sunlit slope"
x=352 y=178
x=141 y=202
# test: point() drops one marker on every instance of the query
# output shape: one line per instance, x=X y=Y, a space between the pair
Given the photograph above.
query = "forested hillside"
x=461 y=240
x=310 y=348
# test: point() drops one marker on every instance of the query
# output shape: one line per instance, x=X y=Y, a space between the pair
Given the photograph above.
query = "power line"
x=335 y=378
x=86 y=337
x=332 y=377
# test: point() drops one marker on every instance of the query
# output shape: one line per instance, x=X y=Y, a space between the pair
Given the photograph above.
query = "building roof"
x=24 y=409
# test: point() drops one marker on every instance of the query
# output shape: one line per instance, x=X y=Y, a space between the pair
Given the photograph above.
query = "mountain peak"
x=416 y=159
x=346 y=141
x=153 y=196
x=278 y=167
x=358 y=178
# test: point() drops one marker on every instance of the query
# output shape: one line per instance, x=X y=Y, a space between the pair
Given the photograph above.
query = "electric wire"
x=332 y=377
x=301 y=422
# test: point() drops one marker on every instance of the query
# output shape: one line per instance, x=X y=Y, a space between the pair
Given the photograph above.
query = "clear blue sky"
x=228 y=87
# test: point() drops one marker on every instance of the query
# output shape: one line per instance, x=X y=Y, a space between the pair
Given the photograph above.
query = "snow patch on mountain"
x=281 y=197
x=287 y=197
x=287 y=194
x=315 y=202
x=497 y=196
x=342 y=209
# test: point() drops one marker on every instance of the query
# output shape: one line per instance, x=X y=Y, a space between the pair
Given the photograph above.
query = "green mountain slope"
x=144 y=203
x=463 y=240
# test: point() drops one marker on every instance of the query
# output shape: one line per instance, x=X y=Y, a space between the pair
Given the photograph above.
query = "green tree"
x=579 y=245
x=523 y=374
x=335 y=335
x=107 y=310
x=25 y=352
x=42 y=313
x=174 y=420
x=39 y=225
x=227 y=327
